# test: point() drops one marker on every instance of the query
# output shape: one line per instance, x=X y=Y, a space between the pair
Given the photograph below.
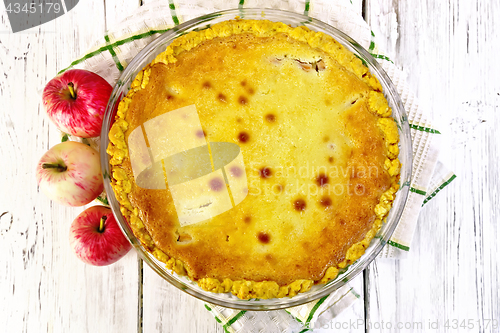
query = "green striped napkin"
x=110 y=55
x=297 y=319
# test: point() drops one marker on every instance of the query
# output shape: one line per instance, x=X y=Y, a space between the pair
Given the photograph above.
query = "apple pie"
x=255 y=158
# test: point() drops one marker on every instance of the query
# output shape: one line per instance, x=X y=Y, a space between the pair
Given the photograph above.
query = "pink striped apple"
x=96 y=238
x=70 y=173
x=76 y=100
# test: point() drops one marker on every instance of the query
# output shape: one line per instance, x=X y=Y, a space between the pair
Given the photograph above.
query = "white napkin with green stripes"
x=110 y=55
x=301 y=318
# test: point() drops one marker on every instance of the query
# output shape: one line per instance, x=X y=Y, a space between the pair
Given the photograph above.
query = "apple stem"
x=56 y=166
x=101 y=224
x=72 y=91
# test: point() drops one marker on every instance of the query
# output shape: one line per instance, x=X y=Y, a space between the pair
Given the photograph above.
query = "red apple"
x=70 y=173
x=76 y=100
x=96 y=238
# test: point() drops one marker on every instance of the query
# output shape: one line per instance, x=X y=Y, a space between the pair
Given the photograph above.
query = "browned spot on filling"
x=326 y=138
x=238 y=120
x=322 y=180
x=266 y=172
x=328 y=102
x=243 y=83
x=299 y=205
x=278 y=188
x=276 y=61
x=243 y=100
x=305 y=66
x=263 y=237
x=221 y=97
x=184 y=238
x=236 y=171
x=169 y=97
x=342 y=222
x=201 y=134
x=320 y=66
x=247 y=219
x=251 y=91
x=243 y=137
x=206 y=85
x=227 y=238
x=359 y=189
x=325 y=201
x=331 y=159
x=216 y=184
x=271 y=118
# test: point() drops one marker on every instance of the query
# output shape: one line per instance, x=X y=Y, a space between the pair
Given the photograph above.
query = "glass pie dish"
x=156 y=47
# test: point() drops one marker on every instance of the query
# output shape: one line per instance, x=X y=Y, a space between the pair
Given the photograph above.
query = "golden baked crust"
x=319 y=150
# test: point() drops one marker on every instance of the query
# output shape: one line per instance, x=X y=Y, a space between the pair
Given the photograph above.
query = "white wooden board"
x=448 y=51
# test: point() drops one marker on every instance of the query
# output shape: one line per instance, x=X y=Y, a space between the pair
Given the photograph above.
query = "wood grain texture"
x=448 y=51
x=43 y=286
x=118 y=10
x=168 y=309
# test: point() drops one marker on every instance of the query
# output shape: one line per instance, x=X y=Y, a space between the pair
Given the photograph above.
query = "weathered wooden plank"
x=447 y=50
x=44 y=286
x=116 y=11
x=168 y=309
